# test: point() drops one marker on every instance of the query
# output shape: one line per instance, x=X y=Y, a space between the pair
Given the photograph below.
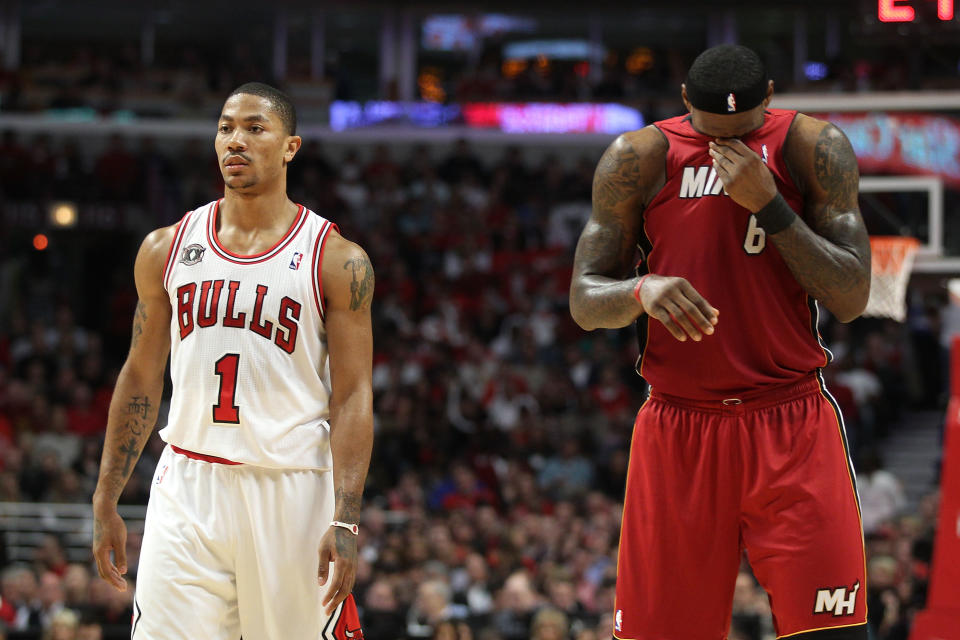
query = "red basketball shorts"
x=770 y=474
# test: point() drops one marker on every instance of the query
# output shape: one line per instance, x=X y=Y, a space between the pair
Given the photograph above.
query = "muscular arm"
x=601 y=291
x=136 y=397
x=829 y=254
x=348 y=281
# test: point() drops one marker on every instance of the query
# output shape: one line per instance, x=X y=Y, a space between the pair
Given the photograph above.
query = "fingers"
x=682 y=310
x=667 y=321
x=695 y=317
x=679 y=317
x=708 y=312
x=736 y=145
x=325 y=559
x=107 y=570
x=340 y=586
x=120 y=556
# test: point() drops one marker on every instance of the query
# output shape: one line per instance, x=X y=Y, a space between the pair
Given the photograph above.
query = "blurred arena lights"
x=63 y=214
x=815 y=70
x=40 y=242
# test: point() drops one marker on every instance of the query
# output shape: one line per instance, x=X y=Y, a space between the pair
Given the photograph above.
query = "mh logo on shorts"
x=837 y=601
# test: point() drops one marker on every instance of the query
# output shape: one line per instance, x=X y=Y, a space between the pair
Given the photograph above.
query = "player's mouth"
x=235 y=164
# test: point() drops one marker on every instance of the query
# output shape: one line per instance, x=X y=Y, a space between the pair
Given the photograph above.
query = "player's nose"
x=236 y=141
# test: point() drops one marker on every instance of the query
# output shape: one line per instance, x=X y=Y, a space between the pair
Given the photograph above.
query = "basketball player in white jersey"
x=265 y=310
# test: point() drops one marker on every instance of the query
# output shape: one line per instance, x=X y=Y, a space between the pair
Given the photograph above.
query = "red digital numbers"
x=900 y=11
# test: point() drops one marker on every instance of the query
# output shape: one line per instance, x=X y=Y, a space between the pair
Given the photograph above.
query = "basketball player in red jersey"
x=746 y=218
x=264 y=309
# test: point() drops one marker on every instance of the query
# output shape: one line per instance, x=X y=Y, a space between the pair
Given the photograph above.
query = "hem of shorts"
x=837 y=626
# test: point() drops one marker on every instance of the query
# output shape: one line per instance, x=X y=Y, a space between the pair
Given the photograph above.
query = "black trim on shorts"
x=843 y=435
x=331 y=625
x=137 y=614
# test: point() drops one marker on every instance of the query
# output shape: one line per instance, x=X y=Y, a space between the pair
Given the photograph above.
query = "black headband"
x=726 y=102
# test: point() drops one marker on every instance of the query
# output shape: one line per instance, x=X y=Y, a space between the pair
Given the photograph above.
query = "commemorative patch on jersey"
x=192 y=254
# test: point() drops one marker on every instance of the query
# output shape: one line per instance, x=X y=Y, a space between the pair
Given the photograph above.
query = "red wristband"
x=636 y=289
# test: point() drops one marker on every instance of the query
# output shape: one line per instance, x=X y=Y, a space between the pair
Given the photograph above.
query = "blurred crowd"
x=184 y=80
x=502 y=429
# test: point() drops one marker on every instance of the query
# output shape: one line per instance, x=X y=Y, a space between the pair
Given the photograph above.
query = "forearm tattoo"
x=830 y=257
x=139 y=317
x=137 y=418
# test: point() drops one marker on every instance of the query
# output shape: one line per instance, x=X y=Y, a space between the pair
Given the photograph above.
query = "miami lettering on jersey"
x=205 y=311
x=697 y=182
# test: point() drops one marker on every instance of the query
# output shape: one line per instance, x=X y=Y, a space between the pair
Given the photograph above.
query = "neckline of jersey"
x=688 y=121
x=301 y=213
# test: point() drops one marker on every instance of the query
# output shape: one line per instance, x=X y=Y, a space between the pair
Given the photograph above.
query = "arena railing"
x=23 y=526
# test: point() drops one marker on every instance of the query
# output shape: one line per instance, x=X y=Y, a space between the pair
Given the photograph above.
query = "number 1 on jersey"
x=225 y=410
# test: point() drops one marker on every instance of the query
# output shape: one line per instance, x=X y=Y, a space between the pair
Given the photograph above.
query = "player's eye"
x=223 y=128
x=256 y=128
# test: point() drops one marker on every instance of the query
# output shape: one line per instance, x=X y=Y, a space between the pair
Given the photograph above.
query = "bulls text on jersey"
x=700 y=181
x=203 y=310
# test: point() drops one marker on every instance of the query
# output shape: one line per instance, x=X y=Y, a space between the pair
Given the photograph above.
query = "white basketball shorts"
x=231 y=551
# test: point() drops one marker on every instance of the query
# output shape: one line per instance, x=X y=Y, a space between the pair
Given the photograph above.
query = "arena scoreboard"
x=906 y=10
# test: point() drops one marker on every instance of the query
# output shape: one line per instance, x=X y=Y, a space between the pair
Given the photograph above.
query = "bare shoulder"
x=152 y=257
x=631 y=170
x=348 y=277
x=820 y=155
x=649 y=142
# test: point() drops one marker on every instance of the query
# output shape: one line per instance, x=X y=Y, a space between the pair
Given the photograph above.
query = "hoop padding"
x=892 y=260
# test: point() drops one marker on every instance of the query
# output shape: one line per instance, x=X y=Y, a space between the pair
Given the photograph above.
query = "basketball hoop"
x=892 y=260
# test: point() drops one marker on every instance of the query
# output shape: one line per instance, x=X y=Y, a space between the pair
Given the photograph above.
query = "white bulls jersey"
x=248 y=353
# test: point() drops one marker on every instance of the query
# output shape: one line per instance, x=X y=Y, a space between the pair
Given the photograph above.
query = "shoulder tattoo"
x=835 y=165
x=617 y=177
x=361 y=287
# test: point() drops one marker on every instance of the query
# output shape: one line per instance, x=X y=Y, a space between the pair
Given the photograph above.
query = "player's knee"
x=858 y=632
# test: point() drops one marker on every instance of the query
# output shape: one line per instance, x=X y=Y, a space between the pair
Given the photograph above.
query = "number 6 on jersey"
x=756 y=238
x=225 y=410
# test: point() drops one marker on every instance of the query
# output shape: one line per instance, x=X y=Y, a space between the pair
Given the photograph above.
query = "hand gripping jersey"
x=767 y=330
x=248 y=353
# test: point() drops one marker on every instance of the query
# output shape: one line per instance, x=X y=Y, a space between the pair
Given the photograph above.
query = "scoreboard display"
x=906 y=10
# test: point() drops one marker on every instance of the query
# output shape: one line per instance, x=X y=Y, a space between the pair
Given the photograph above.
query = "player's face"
x=252 y=143
x=734 y=125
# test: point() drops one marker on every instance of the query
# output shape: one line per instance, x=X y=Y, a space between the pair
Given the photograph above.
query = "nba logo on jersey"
x=295 y=260
x=618 y=618
x=731 y=102
x=763 y=149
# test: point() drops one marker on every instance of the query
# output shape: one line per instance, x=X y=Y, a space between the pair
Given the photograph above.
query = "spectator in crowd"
x=549 y=624
x=881 y=494
x=63 y=626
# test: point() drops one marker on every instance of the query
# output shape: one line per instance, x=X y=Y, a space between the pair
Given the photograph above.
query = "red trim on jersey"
x=202 y=456
x=174 y=248
x=256 y=258
x=317 y=265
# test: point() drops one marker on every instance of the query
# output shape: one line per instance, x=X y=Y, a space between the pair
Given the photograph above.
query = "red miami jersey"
x=767 y=330
x=248 y=346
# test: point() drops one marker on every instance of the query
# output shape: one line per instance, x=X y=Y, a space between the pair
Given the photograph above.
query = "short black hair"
x=278 y=99
x=726 y=70
x=727 y=67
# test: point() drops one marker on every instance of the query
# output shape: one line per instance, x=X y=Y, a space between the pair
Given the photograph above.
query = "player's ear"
x=293 y=145
x=766 y=101
x=683 y=94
